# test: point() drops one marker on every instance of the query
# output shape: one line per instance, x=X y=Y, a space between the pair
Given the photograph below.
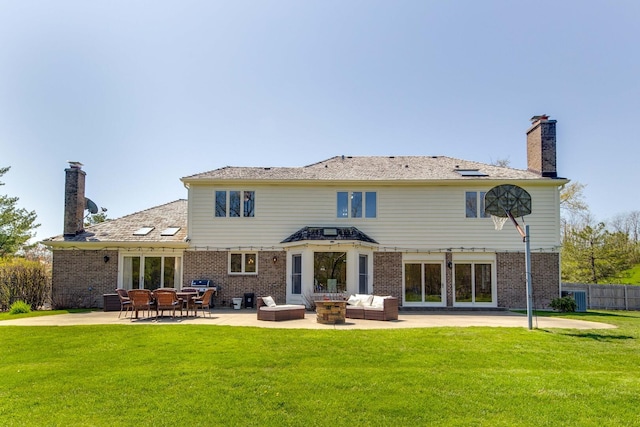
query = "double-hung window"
x=235 y=204
x=357 y=204
x=474 y=204
x=243 y=263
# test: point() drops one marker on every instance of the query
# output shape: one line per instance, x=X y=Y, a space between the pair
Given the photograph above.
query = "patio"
x=247 y=317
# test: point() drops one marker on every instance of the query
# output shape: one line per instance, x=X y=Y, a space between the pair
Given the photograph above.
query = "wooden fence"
x=609 y=297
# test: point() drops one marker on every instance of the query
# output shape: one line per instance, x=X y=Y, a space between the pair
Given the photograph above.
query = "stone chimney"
x=541 y=147
x=74 y=201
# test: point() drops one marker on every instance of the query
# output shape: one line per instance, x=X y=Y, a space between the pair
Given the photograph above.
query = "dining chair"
x=204 y=301
x=125 y=301
x=167 y=299
x=191 y=295
x=141 y=299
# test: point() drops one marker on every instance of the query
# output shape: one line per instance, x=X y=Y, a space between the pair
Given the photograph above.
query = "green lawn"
x=627 y=277
x=214 y=375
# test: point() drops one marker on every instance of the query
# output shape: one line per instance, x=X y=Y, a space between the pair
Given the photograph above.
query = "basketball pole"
x=527 y=249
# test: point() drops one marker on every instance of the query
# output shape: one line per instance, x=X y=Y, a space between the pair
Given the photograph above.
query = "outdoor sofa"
x=268 y=310
x=372 y=307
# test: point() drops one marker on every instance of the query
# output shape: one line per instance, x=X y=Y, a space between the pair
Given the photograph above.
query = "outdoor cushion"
x=378 y=301
x=354 y=301
x=269 y=302
x=282 y=307
x=365 y=299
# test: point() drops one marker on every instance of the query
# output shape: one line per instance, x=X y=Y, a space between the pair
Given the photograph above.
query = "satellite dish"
x=90 y=206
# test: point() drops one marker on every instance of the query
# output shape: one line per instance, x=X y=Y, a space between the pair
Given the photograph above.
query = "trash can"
x=249 y=297
x=237 y=303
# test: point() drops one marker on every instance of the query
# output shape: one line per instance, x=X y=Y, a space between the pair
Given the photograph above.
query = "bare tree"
x=503 y=163
x=627 y=223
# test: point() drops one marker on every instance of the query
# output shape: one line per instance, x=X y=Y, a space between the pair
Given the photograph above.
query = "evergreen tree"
x=16 y=224
x=591 y=254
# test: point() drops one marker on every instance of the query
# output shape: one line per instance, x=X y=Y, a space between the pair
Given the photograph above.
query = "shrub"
x=23 y=280
x=564 y=304
x=19 y=307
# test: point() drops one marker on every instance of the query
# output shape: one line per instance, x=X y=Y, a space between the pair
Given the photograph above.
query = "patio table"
x=186 y=298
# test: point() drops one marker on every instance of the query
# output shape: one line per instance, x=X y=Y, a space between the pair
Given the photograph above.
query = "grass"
x=111 y=375
x=627 y=277
x=5 y=315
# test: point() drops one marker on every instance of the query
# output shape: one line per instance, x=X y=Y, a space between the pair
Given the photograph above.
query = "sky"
x=146 y=92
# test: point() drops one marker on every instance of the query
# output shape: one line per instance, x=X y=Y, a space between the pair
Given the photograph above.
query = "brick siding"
x=387 y=274
x=545 y=279
x=76 y=271
x=213 y=265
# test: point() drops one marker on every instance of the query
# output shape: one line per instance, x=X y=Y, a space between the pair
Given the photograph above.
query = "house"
x=409 y=226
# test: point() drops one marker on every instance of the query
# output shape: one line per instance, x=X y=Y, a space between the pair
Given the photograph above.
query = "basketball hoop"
x=498 y=221
x=507 y=201
x=510 y=201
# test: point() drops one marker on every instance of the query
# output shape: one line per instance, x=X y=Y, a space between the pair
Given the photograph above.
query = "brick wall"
x=387 y=274
x=545 y=279
x=213 y=265
x=75 y=271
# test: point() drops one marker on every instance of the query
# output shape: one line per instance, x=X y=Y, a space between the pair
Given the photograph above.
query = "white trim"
x=242 y=263
x=473 y=258
x=423 y=259
x=142 y=254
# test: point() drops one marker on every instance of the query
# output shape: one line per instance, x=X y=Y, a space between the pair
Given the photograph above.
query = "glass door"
x=151 y=272
x=473 y=283
x=424 y=284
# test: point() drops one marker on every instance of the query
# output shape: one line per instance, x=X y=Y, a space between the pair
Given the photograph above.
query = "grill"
x=203 y=284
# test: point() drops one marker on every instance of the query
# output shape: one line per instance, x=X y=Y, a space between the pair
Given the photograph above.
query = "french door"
x=424 y=283
x=151 y=272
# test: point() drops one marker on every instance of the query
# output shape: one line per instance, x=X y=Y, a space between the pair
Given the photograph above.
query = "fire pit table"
x=331 y=312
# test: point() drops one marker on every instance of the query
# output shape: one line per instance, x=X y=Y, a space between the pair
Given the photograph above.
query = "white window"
x=474 y=204
x=357 y=204
x=243 y=263
x=235 y=203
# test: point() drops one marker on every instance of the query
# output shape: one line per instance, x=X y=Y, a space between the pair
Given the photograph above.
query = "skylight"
x=170 y=231
x=470 y=172
x=143 y=231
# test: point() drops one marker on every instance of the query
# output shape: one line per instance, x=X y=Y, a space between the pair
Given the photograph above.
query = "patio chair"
x=141 y=299
x=167 y=299
x=189 y=295
x=125 y=302
x=204 y=302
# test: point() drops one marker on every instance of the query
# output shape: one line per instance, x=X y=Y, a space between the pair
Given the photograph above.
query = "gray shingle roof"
x=370 y=168
x=328 y=233
x=173 y=214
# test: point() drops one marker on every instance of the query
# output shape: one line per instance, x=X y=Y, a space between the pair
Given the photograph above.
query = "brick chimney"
x=74 y=201
x=541 y=147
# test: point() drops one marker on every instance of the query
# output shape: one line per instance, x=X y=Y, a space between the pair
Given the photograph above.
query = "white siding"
x=409 y=218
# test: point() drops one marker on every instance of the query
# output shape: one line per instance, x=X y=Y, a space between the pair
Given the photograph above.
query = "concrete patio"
x=247 y=317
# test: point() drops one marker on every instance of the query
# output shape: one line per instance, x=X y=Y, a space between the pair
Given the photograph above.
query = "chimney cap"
x=75 y=165
x=538 y=118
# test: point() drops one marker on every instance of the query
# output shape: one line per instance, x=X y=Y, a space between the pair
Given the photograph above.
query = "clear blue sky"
x=145 y=92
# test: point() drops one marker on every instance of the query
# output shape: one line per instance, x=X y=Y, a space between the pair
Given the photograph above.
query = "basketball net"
x=498 y=221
